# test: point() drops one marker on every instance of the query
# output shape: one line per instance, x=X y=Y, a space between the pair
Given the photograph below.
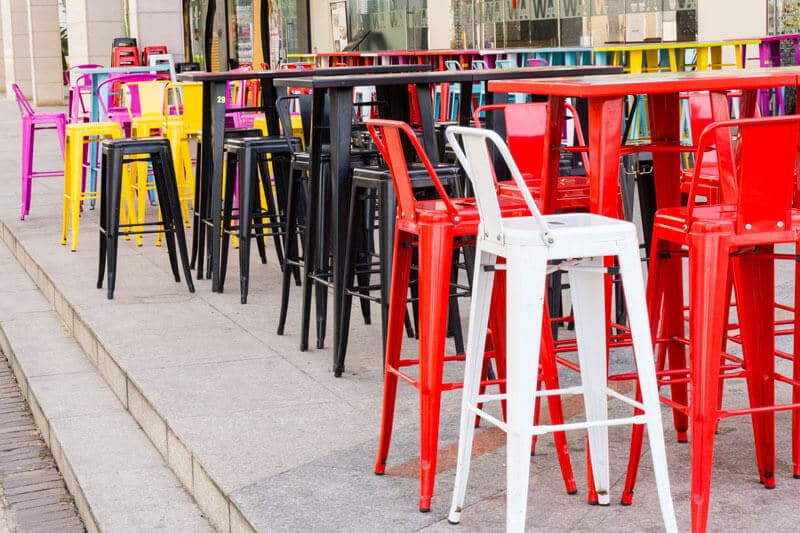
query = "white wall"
x=16 y=46
x=732 y=19
x=91 y=27
x=438 y=12
x=44 y=46
x=321 y=35
x=155 y=22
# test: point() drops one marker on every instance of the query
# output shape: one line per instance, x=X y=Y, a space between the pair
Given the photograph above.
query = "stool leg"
x=401 y=269
x=435 y=243
x=248 y=183
x=708 y=268
x=101 y=267
x=549 y=376
x=28 y=135
x=754 y=281
x=587 y=291
x=69 y=175
x=364 y=252
x=292 y=208
x=113 y=201
x=309 y=258
x=476 y=342
x=633 y=285
x=353 y=226
x=173 y=200
x=257 y=208
x=658 y=310
x=231 y=162
x=75 y=197
x=165 y=206
x=322 y=257
x=525 y=276
x=796 y=372
x=197 y=212
x=268 y=212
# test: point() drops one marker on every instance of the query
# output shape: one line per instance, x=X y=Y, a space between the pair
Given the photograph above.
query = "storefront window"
x=499 y=23
x=783 y=17
x=240 y=32
x=392 y=24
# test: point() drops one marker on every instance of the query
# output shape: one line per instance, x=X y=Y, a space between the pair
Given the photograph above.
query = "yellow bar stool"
x=184 y=123
x=79 y=136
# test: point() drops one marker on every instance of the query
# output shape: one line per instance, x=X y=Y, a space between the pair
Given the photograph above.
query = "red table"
x=606 y=116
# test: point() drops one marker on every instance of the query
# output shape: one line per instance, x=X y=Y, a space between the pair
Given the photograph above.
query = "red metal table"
x=606 y=95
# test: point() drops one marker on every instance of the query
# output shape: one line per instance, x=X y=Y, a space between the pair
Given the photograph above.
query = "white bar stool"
x=527 y=244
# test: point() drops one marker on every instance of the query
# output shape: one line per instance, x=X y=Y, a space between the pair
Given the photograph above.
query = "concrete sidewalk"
x=265 y=438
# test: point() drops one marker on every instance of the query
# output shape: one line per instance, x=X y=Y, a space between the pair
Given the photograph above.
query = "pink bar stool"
x=31 y=122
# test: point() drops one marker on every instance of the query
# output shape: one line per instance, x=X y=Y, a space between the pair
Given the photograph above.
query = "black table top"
x=300 y=73
x=342 y=79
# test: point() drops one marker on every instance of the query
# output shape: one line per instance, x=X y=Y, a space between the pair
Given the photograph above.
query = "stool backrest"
x=295 y=104
x=505 y=63
x=525 y=126
x=452 y=64
x=536 y=62
x=472 y=151
x=387 y=137
x=766 y=149
x=159 y=59
x=186 y=99
x=145 y=98
x=25 y=107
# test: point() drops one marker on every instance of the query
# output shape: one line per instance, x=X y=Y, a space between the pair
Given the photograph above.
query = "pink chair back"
x=109 y=106
x=25 y=107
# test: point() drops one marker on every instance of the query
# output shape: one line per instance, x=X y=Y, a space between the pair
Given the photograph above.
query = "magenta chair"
x=79 y=85
x=31 y=122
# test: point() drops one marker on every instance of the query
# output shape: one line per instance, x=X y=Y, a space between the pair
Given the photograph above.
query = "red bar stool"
x=147 y=51
x=434 y=228
x=525 y=129
x=125 y=56
x=732 y=240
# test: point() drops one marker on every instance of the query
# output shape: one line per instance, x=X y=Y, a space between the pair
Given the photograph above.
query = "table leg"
x=201 y=187
x=664 y=119
x=605 y=132
x=218 y=105
x=426 y=116
x=341 y=102
x=315 y=175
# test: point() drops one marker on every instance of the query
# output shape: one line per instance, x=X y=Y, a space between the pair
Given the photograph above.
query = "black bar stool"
x=246 y=163
x=373 y=185
x=201 y=211
x=316 y=197
x=115 y=154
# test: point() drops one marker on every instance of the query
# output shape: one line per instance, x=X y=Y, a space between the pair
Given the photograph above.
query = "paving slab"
x=119 y=481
